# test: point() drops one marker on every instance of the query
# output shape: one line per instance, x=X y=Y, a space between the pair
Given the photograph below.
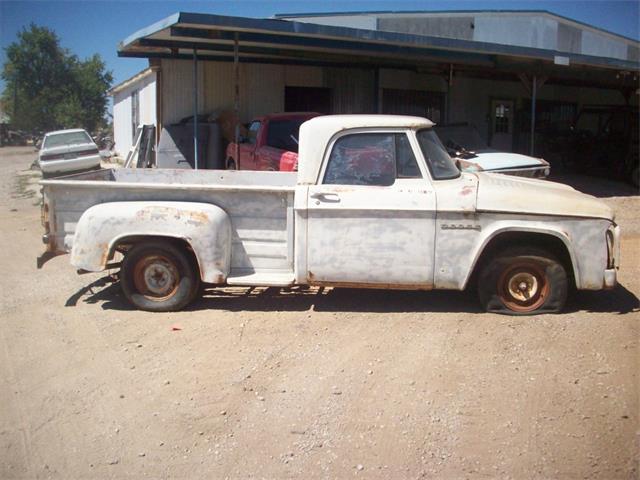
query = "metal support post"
x=236 y=97
x=534 y=90
x=195 y=108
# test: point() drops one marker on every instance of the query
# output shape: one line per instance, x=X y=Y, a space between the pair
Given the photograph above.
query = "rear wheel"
x=523 y=281
x=158 y=277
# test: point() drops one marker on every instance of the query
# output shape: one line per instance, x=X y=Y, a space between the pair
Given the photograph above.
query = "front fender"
x=496 y=229
x=205 y=227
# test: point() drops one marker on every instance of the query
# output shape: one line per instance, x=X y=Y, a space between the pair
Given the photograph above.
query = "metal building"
x=514 y=75
x=134 y=103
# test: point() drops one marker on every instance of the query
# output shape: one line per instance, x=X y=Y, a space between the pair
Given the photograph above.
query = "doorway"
x=502 y=125
x=307 y=99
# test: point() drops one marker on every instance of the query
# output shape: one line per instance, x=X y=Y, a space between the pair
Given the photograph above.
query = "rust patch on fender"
x=466 y=190
x=104 y=257
x=199 y=217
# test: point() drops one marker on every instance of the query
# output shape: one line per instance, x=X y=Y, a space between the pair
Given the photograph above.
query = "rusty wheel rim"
x=523 y=287
x=156 y=277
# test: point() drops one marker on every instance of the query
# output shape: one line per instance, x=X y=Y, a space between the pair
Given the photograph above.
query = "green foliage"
x=48 y=88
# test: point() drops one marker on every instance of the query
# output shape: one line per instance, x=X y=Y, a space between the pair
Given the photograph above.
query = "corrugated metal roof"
x=282 y=41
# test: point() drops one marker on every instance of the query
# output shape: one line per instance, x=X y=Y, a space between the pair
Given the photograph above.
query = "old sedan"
x=66 y=151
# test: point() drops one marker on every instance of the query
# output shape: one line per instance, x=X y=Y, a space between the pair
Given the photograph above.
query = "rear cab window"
x=375 y=159
x=68 y=138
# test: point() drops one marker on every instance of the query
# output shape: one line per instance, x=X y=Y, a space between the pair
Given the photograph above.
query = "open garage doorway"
x=307 y=99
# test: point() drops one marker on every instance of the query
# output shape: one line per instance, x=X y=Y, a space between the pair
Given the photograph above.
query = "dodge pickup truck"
x=377 y=203
x=271 y=143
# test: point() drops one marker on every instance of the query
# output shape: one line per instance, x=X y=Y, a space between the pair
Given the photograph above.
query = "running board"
x=262 y=279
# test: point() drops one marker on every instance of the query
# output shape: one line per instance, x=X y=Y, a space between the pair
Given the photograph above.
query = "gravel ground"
x=317 y=383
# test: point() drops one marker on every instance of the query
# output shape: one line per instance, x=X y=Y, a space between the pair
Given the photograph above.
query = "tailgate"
x=63 y=202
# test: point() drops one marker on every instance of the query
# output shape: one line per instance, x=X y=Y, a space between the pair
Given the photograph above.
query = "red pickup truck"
x=271 y=143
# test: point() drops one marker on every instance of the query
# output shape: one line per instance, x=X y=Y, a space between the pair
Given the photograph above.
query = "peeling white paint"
x=261 y=228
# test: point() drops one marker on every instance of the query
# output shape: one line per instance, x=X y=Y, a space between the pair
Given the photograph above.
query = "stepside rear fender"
x=205 y=227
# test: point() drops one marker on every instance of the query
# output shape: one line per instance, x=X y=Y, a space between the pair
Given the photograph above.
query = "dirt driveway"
x=270 y=383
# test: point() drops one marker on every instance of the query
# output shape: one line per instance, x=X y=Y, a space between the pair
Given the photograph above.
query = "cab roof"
x=315 y=135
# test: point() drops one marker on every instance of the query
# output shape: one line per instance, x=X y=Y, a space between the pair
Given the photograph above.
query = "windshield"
x=283 y=134
x=438 y=160
x=69 y=138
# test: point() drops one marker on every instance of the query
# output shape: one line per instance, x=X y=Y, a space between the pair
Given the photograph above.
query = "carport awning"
x=282 y=41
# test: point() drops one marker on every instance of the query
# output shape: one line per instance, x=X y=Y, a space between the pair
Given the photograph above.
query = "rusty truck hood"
x=503 y=193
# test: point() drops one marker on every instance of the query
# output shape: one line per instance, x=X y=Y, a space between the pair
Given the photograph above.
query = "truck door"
x=371 y=217
x=248 y=148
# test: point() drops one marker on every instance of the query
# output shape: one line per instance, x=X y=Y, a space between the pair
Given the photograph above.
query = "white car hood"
x=489 y=160
x=501 y=193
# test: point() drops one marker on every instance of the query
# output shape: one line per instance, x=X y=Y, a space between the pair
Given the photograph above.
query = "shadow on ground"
x=106 y=291
x=596 y=186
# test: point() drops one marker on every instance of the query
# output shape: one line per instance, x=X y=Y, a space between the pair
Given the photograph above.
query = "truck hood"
x=501 y=193
x=492 y=160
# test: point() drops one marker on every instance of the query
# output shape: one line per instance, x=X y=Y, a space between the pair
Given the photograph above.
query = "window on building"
x=502 y=116
x=371 y=159
x=551 y=114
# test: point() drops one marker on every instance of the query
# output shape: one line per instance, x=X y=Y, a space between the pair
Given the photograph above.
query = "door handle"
x=326 y=196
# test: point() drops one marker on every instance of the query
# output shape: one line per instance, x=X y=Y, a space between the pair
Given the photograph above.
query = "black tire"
x=231 y=164
x=158 y=277
x=523 y=281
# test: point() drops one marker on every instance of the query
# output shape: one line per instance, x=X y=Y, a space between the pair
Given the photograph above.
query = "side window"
x=253 y=132
x=371 y=159
x=405 y=158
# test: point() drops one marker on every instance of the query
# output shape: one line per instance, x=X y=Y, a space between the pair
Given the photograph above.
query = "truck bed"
x=260 y=205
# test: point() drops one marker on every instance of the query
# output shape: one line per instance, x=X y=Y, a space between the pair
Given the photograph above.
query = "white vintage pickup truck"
x=377 y=203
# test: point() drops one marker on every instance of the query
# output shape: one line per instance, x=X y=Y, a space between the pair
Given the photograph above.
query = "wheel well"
x=124 y=244
x=549 y=243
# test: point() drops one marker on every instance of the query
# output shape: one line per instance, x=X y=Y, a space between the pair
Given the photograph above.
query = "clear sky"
x=88 y=27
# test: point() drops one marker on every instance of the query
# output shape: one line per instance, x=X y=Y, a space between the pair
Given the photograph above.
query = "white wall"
x=261 y=87
x=364 y=21
x=521 y=30
x=600 y=46
x=525 y=29
x=122 y=126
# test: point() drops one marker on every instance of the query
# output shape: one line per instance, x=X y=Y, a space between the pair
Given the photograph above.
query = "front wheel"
x=231 y=164
x=523 y=281
x=158 y=277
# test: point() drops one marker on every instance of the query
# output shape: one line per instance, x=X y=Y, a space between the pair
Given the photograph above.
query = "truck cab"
x=271 y=143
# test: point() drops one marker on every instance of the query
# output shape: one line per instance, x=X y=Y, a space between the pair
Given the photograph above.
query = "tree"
x=48 y=88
